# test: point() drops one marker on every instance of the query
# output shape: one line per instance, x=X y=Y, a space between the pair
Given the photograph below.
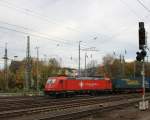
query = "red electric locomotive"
x=62 y=85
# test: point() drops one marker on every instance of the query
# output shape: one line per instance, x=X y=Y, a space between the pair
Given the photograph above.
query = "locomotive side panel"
x=96 y=85
x=73 y=85
x=64 y=85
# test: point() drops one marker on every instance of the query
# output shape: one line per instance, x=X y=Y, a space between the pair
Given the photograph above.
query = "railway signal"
x=138 y=57
x=141 y=55
x=142 y=38
x=143 y=105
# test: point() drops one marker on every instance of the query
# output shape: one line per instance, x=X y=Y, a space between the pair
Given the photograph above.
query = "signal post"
x=143 y=105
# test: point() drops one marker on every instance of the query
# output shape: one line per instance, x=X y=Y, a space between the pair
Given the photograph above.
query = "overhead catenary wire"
x=27 y=33
x=135 y=13
x=131 y=10
x=30 y=11
x=46 y=18
x=43 y=34
x=143 y=5
x=42 y=17
x=39 y=36
x=36 y=14
x=32 y=34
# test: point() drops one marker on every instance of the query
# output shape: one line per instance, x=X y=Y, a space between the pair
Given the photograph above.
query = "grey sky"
x=113 y=22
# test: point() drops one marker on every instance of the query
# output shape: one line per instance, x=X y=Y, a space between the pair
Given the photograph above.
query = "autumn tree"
x=107 y=63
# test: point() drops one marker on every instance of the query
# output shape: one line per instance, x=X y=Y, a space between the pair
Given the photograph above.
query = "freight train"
x=67 y=86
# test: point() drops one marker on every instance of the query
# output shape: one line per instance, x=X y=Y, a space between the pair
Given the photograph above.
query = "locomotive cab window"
x=51 y=81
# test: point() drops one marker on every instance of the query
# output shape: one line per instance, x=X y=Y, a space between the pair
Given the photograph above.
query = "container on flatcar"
x=147 y=83
x=127 y=85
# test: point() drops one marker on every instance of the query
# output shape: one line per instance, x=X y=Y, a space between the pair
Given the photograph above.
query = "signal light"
x=140 y=55
x=143 y=53
x=142 y=37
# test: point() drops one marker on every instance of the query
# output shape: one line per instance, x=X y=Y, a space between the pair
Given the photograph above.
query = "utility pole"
x=123 y=67
x=134 y=69
x=85 y=64
x=79 y=71
x=45 y=58
x=120 y=66
x=28 y=67
x=6 y=68
x=37 y=70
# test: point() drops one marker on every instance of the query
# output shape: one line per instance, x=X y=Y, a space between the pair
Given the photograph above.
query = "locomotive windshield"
x=51 y=81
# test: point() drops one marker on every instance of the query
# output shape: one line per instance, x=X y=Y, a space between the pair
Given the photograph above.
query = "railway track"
x=35 y=102
x=59 y=107
x=28 y=102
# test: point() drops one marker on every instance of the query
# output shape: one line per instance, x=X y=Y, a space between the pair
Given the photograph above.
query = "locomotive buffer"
x=143 y=105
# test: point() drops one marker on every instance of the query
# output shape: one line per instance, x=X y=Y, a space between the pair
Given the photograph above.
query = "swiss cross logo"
x=81 y=84
x=107 y=79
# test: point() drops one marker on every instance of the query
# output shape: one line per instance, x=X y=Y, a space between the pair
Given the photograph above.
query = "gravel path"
x=128 y=113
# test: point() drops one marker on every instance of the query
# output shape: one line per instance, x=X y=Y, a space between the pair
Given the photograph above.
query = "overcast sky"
x=56 y=26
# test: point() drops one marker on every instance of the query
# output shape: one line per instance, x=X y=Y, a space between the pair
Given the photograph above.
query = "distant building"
x=69 y=71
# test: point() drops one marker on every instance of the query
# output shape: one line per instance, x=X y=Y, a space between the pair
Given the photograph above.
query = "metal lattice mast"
x=28 y=66
x=6 y=68
x=79 y=71
x=37 y=69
